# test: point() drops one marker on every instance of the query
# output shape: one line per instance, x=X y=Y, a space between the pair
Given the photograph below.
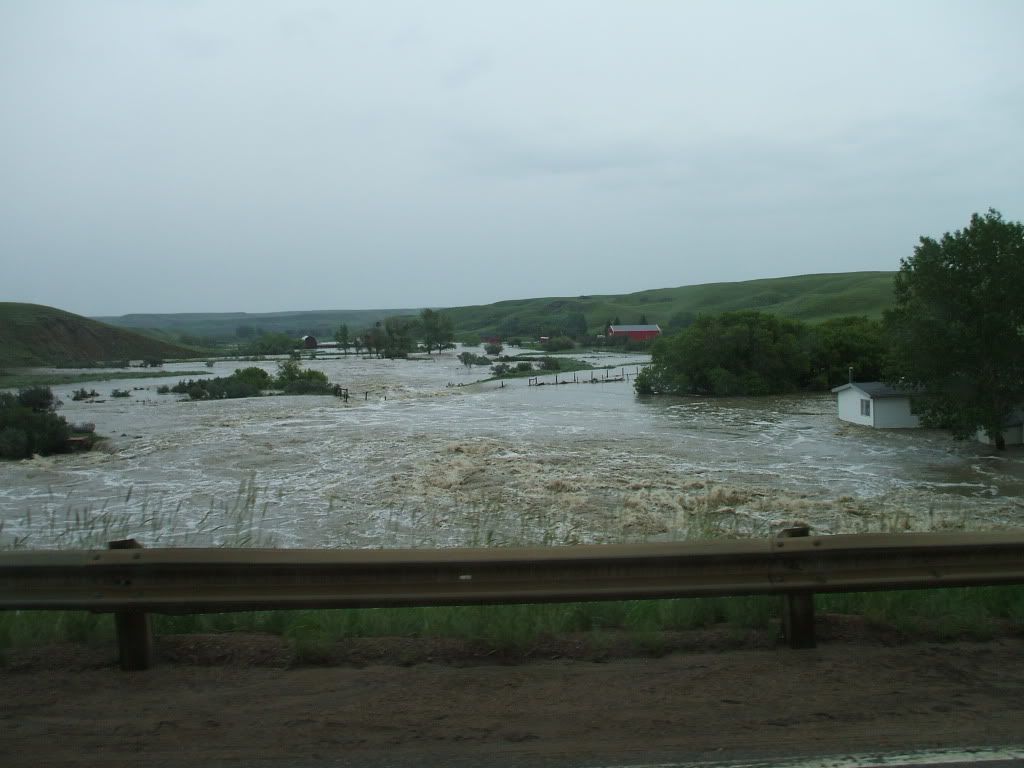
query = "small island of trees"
x=29 y=424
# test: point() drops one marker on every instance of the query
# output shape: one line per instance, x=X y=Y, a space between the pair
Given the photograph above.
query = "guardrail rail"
x=132 y=582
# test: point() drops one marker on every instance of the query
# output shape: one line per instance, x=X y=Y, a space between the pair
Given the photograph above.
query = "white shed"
x=874 y=404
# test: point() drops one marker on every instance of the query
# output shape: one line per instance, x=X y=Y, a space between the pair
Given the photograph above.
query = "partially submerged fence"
x=132 y=582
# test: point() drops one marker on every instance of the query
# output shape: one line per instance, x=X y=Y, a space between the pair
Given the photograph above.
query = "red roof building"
x=635 y=332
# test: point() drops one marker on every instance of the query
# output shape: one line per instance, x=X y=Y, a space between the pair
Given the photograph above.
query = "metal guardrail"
x=132 y=582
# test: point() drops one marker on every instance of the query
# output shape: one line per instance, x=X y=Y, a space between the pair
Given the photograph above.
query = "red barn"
x=635 y=332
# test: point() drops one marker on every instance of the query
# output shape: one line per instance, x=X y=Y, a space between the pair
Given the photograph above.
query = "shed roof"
x=634 y=328
x=875 y=389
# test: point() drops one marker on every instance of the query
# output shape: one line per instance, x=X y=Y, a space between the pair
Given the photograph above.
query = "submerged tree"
x=341 y=336
x=737 y=353
x=437 y=328
x=958 y=326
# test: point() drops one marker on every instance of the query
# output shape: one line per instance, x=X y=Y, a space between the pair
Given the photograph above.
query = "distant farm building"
x=635 y=332
x=874 y=404
x=310 y=342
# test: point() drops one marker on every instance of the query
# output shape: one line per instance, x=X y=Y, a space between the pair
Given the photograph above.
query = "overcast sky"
x=264 y=156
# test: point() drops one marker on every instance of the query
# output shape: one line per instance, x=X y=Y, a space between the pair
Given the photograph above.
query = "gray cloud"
x=281 y=155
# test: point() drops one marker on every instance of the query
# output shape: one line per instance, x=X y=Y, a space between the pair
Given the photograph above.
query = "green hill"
x=811 y=298
x=34 y=335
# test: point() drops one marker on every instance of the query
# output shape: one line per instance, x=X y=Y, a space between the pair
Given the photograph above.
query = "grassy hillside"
x=31 y=334
x=811 y=298
x=806 y=297
x=237 y=326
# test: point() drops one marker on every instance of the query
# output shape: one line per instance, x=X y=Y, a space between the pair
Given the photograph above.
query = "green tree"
x=737 y=353
x=341 y=336
x=399 y=335
x=437 y=329
x=842 y=343
x=374 y=339
x=575 y=325
x=958 y=326
x=271 y=344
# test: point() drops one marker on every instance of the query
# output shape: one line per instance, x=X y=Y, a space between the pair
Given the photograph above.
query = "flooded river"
x=423 y=456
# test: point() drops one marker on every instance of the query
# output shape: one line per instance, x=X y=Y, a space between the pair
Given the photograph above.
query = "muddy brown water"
x=422 y=456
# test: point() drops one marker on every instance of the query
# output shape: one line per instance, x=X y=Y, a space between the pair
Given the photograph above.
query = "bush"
x=469 y=359
x=39 y=399
x=26 y=430
x=81 y=394
x=295 y=381
x=558 y=343
x=253 y=382
x=14 y=444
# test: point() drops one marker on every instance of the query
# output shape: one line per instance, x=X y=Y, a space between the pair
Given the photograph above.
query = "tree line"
x=399 y=335
x=752 y=353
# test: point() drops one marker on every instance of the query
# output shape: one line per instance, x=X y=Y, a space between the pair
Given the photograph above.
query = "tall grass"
x=240 y=522
x=976 y=613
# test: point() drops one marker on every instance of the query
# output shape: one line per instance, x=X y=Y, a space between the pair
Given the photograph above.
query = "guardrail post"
x=798 y=607
x=134 y=633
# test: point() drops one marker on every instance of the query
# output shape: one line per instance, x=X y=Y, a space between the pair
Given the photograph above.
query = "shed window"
x=865 y=407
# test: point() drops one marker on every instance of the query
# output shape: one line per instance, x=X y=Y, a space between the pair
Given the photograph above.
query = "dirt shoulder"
x=230 y=700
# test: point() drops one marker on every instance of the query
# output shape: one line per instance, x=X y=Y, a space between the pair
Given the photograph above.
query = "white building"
x=874 y=404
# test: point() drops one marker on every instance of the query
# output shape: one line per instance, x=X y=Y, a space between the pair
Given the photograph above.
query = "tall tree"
x=341 y=336
x=958 y=326
x=437 y=329
x=399 y=335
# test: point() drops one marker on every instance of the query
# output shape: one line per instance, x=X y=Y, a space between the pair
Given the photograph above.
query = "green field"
x=811 y=298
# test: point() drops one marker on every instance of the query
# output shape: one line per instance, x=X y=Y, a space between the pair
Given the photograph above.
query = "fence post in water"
x=134 y=633
x=798 y=608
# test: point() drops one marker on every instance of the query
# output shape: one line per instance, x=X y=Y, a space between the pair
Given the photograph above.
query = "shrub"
x=121 y=393
x=26 y=430
x=558 y=343
x=37 y=398
x=81 y=394
x=14 y=443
